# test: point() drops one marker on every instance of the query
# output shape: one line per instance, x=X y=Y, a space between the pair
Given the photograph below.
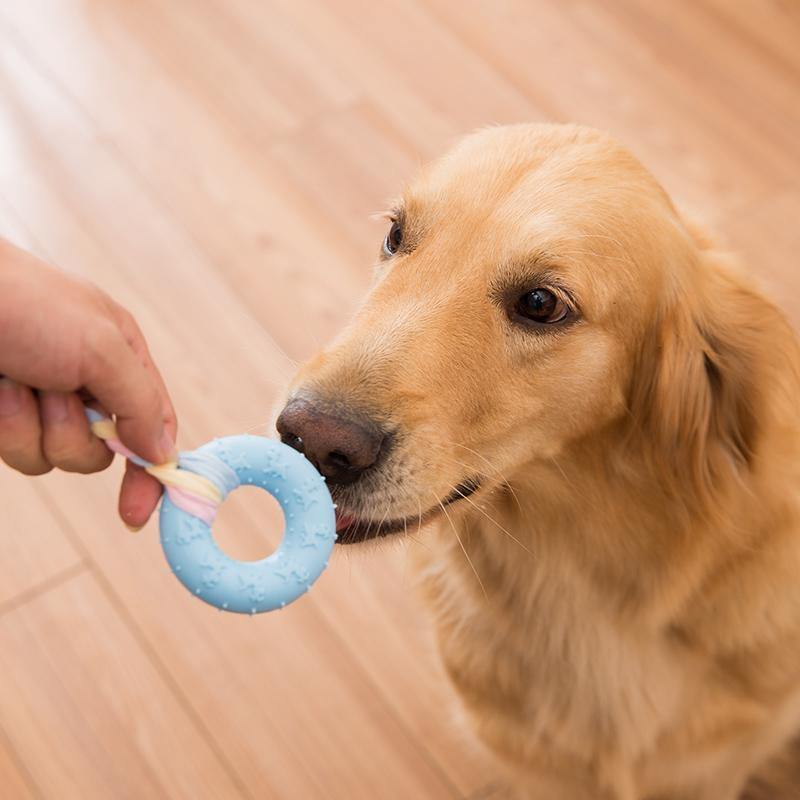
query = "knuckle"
x=40 y=468
x=20 y=446
x=76 y=453
x=101 y=341
x=63 y=446
x=127 y=321
x=65 y=455
x=96 y=462
x=26 y=464
x=128 y=326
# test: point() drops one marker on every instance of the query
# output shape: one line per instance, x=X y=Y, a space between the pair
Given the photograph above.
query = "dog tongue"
x=343 y=521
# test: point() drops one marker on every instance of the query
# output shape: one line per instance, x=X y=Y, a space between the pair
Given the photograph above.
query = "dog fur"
x=618 y=605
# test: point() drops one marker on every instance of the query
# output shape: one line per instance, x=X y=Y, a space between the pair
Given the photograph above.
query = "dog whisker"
x=258 y=425
x=496 y=471
x=461 y=545
x=495 y=522
x=383 y=519
x=483 y=511
x=561 y=470
x=413 y=538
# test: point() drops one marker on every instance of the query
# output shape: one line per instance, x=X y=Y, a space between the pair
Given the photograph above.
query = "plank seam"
x=47 y=585
x=20 y=765
x=147 y=648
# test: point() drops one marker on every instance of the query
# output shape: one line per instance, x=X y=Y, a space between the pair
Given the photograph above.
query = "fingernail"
x=133 y=528
x=54 y=408
x=167 y=447
x=10 y=397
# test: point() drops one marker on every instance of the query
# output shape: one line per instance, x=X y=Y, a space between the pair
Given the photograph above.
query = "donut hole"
x=249 y=524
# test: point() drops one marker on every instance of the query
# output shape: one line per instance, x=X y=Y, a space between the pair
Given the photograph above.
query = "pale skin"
x=64 y=342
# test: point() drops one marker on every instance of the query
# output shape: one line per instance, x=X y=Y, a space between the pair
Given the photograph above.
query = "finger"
x=20 y=431
x=135 y=338
x=140 y=492
x=115 y=375
x=138 y=496
x=67 y=441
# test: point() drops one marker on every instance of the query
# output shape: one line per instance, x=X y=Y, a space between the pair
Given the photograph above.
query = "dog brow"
x=533 y=272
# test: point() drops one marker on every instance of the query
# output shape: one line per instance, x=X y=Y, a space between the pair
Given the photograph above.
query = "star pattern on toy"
x=307 y=494
x=308 y=538
x=189 y=529
x=255 y=589
x=325 y=534
x=224 y=455
x=300 y=573
x=213 y=570
x=284 y=568
x=274 y=464
x=238 y=459
x=312 y=535
x=290 y=568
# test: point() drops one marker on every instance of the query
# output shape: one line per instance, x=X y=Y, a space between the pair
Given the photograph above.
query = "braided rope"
x=197 y=482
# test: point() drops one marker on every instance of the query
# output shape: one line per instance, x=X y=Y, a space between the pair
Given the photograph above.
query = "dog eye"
x=393 y=240
x=541 y=306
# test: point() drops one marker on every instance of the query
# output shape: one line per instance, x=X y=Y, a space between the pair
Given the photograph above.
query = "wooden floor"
x=213 y=164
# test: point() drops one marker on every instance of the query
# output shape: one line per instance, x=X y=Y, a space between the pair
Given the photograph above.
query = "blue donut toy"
x=250 y=587
x=200 y=481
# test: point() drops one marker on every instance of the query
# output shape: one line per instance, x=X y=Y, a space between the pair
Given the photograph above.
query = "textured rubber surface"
x=250 y=587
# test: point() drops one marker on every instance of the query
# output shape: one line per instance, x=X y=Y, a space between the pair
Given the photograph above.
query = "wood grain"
x=14 y=778
x=33 y=552
x=88 y=714
x=214 y=165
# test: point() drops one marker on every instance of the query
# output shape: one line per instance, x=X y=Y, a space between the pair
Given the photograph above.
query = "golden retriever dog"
x=594 y=420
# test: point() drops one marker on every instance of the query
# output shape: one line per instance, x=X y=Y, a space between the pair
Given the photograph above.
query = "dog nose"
x=341 y=447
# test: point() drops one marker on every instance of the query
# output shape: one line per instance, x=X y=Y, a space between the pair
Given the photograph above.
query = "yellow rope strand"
x=169 y=473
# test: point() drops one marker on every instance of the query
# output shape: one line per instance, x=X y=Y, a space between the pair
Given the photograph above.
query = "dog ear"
x=697 y=391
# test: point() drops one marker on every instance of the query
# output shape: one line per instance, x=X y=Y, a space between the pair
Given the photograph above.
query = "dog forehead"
x=468 y=179
x=508 y=171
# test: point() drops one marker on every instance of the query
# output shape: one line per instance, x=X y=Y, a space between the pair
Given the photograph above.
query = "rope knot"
x=197 y=483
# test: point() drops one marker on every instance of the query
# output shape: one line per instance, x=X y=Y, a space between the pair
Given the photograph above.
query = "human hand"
x=63 y=340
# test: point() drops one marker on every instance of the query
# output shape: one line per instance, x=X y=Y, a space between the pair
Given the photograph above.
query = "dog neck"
x=597 y=515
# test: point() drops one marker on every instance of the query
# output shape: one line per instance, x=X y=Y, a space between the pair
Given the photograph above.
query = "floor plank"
x=33 y=550
x=254 y=224
x=87 y=713
x=766 y=238
x=14 y=778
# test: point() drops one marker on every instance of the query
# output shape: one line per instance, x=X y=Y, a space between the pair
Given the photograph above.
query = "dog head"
x=535 y=286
